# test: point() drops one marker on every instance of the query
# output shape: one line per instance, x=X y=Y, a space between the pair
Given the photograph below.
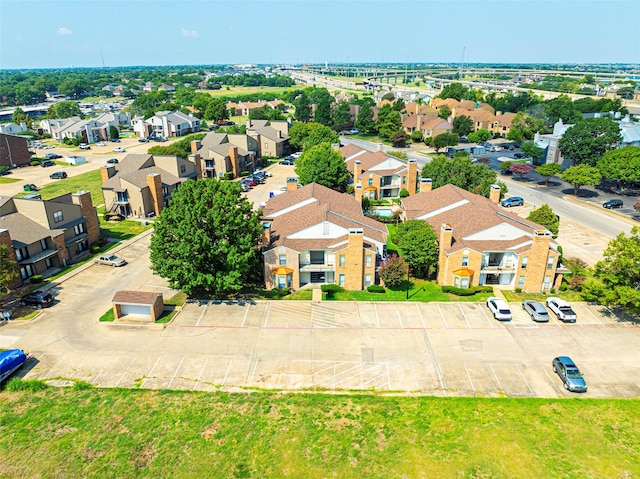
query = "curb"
x=600 y=209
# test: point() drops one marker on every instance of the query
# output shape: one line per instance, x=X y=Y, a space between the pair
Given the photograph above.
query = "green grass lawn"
x=84 y=432
x=247 y=90
x=5 y=180
x=90 y=181
x=568 y=295
x=122 y=230
x=420 y=291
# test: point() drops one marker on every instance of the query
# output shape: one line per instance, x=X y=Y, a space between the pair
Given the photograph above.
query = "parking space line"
x=388 y=376
x=266 y=317
x=436 y=366
x=362 y=385
x=253 y=372
x=594 y=316
x=125 y=371
x=470 y=380
x=415 y=376
x=227 y=371
x=176 y=372
x=150 y=372
x=525 y=380
x=377 y=318
x=200 y=375
x=492 y=324
x=202 y=314
x=354 y=375
x=495 y=376
x=464 y=316
x=442 y=316
x=399 y=318
x=246 y=313
x=552 y=381
x=421 y=320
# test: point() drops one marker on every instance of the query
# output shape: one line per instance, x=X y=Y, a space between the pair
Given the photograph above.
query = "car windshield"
x=573 y=374
x=504 y=311
x=113 y=258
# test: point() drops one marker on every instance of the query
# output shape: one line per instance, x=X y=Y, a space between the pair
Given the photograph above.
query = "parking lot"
x=416 y=348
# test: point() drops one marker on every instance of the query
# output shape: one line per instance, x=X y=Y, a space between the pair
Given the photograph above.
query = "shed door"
x=134 y=309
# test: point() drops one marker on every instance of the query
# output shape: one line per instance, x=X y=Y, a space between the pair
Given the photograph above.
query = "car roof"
x=567 y=361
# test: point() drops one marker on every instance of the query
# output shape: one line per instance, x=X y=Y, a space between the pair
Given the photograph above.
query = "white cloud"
x=189 y=33
x=64 y=31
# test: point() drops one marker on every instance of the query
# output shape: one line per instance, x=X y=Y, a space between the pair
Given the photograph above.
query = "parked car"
x=58 y=175
x=30 y=187
x=268 y=174
x=84 y=146
x=562 y=310
x=119 y=149
x=611 y=204
x=111 y=260
x=499 y=308
x=101 y=143
x=354 y=131
x=46 y=163
x=52 y=156
x=536 y=311
x=5 y=172
x=518 y=155
x=513 y=201
x=248 y=182
x=114 y=140
x=143 y=140
x=287 y=162
x=571 y=376
x=112 y=161
x=40 y=299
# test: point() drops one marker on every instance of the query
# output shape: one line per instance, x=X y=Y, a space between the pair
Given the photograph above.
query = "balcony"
x=316 y=267
x=38 y=257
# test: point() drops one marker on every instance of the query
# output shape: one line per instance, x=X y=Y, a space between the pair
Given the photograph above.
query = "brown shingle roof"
x=135 y=297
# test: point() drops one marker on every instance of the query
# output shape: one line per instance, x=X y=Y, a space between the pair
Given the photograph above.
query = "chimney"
x=494 y=194
x=412 y=177
x=235 y=161
x=292 y=183
x=380 y=147
x=359 y=192
x=446 y=238
x=155 y=188
x=83 y=198
x=279 y=133
x=538 y=259
x=426 y=184
x=266 y=233
x=354 y=264
x=419 y=123
x=356 y=172
x=195 y=145
x=195 y=159
x=107 y=172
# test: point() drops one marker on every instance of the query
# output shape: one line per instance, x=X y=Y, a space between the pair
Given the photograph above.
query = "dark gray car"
x=571 y=376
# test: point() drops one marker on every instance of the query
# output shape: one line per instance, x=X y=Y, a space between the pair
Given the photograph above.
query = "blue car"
x=571 y=376
x=513 y=201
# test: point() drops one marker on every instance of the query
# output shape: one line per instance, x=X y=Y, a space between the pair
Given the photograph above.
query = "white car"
x=101 y=143
x=562 y=310
x=119 y=149
x=499 y=308
x=111 y=260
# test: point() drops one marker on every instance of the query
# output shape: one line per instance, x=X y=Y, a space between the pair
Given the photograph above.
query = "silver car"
x=537 y=312
x=111 y=260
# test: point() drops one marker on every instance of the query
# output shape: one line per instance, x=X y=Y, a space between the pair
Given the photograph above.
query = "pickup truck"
x=562 y=310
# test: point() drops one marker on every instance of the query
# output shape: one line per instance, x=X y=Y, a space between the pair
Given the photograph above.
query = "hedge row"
x=467 y=291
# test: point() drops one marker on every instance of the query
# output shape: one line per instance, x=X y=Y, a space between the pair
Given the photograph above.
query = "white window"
x=456 y=281
x=521 y=282
x=368 y=261
x=367 y=279
x=464 y=282
x=22 y=253
x=465 y=261
x=341 y=280
x=545 y=285
x=525 y=260
x=282 y=259
x=57 y=216
x=79 y=229
x=43 y=244
x=341 y=261
x=550 y=262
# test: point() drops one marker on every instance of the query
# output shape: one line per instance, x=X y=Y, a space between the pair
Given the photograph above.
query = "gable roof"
x=134 y=169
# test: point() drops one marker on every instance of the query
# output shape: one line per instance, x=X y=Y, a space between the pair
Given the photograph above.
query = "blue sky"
x=50 y=34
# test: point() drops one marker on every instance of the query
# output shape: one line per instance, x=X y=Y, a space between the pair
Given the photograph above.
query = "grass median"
x=85 y=432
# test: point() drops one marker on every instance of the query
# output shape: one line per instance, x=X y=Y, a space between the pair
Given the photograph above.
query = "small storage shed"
x=144 y=305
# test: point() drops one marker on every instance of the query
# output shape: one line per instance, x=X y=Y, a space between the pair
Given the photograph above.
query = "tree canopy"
x=524 y=127
x=64 y=109
x=529 y=148
x=621 y=164
x=548 y=170
x=581 y=175
x=443 y=140
x=206 y=239
x=454 y=90
x=419 y=245
x=306 y=135
x=479 y=136
x=586 y=141
x=389 y=121
x=342 y=116
x=8 y=269
x=462 y=125
x=323 y=165
x=216 y=110
x=393 y=271
x=460 y=171
x=544 y=216
x=364 y=118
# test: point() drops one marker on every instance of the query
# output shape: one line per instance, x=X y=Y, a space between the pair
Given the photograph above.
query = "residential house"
x=315 y=235
x=482 y=118
x=148 y=86
x=220 y=153
x=14 y=151
x=12 y=128
x=550 y=143
x=166 y=124
x=435 y=127
x=501 y=124
x=167 y=88
x=377 y=175
x=88 y=131
x=427 y=111
x=118 y=120
x=141 y=185
x=481 y=244
x=273 y=138
x=45 y=236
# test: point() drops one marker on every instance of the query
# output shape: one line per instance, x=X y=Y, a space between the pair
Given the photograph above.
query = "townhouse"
x=481 y=244
x=45 y=236
x=272 y=137
x=88 y=131
x=14 y=151
x=314 y=235
x=141 y=184
x=220 y=154
x=166 y=124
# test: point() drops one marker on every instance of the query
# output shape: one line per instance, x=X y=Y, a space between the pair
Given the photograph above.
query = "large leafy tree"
x=389 y=121
x=303 y=107
x=560 y=108
x=323 y=165
x=529 y=148
x=64 y=109
x=545 y=216
x=589 y=139
x=462 y=125
x=622 y=164
x=306 y=135
x=393 y=271
x=479 y=136
x=8 y=269
x=323 y=109
x=364 y=119
x=419 y=245
x=461 y=172
x=216 y=110
x=581 y=175
x=206 y=239
x=443 y=140
x=619 y=274
x=342 y=117
x=524 y=127
x=548 y=170
x=520 y=169
x=454 y=90
x=444 y=112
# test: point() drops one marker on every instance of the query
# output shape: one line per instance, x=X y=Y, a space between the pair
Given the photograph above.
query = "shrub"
x=18 y=384
x=35 y=279
x=228 y=175
x=518 y=290
x=244 y=173
x=552 y=290
x=95 y=248
x=4 y=168
x=466 y=291
x=564 y=286
x=331 y=289
x=375 y=288
x=34 y=163
x=403 y=193
x=575 y=265
x=575 y=282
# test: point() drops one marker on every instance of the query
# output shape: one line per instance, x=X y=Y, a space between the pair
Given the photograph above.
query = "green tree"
x=462 y=125
x=416 y=136
x=320 y=134
x=621 y=164
x=479 y=136
x=216 y=110
x=389 y=121
x=19 y=116
x=520 y=169
x=581 y=175
x=544 y=216
x=589 y=139
x=529 y=148
x=399 y=104
x=322 y=114
x=418 y=243
x=560 y=108
x=8 y=269
x=389 y=96
x=323 y=165
x=461 y=172
x=114 y=132
x=443 y=140
x=342 y=116
x=548 y=170
x=364 y=119
x=524 y=127
x=64 y=109
x=619 y=274
x=393 y=271
x=454 y=90
x=399 y=138
x=206 y=239
x=444 y=112
x=303 y=107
